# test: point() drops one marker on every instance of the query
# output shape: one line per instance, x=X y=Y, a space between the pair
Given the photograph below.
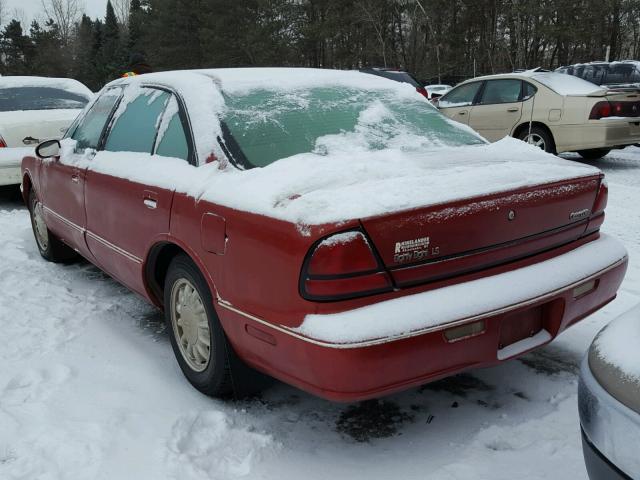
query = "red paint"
x=260 y=270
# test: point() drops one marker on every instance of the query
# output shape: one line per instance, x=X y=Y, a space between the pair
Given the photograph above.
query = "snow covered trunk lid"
x=442 y=240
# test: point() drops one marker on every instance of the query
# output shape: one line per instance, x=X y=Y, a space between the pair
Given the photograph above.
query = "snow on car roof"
x=68 y=84
x=241 y=80
x=564 y=84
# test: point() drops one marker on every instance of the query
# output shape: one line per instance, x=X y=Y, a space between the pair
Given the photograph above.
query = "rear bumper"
x=10 y=162
x=596 y=134
x=378 y=366
x=611 y=431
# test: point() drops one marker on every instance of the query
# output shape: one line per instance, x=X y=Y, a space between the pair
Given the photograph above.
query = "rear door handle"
x=150 y=199
x=30 y=141
x=513 y=109
x=462 y=113
x=150 y=203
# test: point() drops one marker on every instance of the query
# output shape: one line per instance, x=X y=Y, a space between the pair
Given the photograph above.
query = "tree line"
x=436 y=40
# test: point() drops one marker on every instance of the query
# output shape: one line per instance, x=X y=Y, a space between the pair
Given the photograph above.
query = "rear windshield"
x=263 y=126
x=39 y=98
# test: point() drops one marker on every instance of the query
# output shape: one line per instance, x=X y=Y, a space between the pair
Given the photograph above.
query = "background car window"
x=528 y=90
x=620 y=73
x=39 y=98
x=461 y=96
x=172 y=139
x=501 y=91
x=89 y=130
x=136 y=124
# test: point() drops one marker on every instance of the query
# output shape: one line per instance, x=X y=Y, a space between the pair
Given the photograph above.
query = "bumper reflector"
x=464 y=331
x=583 y=289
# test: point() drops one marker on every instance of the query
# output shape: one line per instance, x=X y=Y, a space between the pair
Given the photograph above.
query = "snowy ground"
x=89 y=389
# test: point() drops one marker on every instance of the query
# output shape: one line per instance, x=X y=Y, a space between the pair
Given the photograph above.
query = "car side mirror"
x=48 y=149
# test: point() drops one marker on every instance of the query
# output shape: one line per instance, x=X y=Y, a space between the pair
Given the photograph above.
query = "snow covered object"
x=331 y=229
x=609 y=399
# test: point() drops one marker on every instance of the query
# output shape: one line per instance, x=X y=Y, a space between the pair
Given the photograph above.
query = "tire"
x=594 y=153
x=49 y=245
x=538 y=137
x=188 y=308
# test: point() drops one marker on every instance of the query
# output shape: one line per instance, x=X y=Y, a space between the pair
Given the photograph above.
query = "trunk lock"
x=511 y=215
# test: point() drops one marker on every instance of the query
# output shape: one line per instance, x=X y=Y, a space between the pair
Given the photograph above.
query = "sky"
x=30 y=9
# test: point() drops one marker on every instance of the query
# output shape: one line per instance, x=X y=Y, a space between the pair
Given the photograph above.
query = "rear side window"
x=136 y=123
x=461 y=96
x=172 y=139
x=528 y=90
x=501 y=91
x=89 y=130
x=39 y=98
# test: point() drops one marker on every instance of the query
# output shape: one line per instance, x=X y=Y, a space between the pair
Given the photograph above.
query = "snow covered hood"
x=68 y=84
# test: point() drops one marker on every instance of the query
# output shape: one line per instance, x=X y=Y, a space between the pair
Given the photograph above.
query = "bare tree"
x=121 y=9
x=65 y=13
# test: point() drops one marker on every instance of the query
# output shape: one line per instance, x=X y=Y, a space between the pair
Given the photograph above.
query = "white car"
x=609 y=401
x=33 y=109
x=437 y=90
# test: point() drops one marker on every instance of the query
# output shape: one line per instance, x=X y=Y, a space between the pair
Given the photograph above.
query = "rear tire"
x=594 y=153
x=50 y=247
x=198 y=340
x=538 y=137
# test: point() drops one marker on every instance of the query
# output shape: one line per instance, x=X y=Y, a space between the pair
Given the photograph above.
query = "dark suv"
x=625 y=73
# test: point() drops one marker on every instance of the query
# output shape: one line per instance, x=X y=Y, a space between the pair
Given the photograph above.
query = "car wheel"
x=538 y=137
x=50 y=247
x=197 y=338
x=594 y=153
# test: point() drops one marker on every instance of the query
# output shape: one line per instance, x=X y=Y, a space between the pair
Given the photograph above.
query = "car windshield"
x=266 y=126
x=39 y=98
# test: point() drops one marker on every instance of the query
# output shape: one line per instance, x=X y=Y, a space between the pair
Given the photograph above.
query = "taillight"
x=600 y=110
x=423 y=91
x=615 y=109
x=597 y=212
x=342 y=266
x=3 y=144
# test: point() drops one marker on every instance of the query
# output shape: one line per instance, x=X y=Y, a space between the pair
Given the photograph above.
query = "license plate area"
x=521 y=325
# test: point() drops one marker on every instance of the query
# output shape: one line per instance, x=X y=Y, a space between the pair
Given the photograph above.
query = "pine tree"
x=15 y=49
x=111 y=53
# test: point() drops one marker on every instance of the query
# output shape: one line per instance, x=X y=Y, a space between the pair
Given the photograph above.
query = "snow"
x=67 y=84
x=238 y=81
x=618 y=344
x=565 y=84
x=439 y=307
x=310 y=189
x=89 y=388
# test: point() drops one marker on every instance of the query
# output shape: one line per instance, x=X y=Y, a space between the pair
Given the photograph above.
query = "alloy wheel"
x=536 y=140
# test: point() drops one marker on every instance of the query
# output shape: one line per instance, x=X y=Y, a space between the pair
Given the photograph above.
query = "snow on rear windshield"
x=267 y=125
x=565 y=84
x=39 y=98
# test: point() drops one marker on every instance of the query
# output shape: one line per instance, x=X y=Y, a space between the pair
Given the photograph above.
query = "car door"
x=128 y=210
x=458 y=102
x=62 y=180
x=498 y=110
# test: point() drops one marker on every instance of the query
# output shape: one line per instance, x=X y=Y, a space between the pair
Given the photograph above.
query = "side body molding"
x=213 y=233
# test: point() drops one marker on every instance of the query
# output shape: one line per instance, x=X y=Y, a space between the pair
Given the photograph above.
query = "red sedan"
x=330 y=229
